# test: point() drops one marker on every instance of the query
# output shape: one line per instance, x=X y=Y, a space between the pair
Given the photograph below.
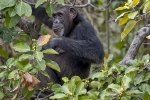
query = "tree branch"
x=135 y=45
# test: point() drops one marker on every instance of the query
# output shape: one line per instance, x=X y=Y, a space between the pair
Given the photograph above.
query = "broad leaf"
x=126 y=81
x=115 y=87
x=80 y=89
x=7 y=3
x=130 y=25
x=52 y=65
x=40 y=65
x=21 y=47
x=49 y=9
x=24 y=56
x=39 y=55
x=135 y=2
x=50 y=51
x=1 y=94
x=39 y=2
x=60 y=1
x=123 y=20
x=132 y=15
x=13 y=74
x=138 y=78
x=145 y=88
x=58 y=96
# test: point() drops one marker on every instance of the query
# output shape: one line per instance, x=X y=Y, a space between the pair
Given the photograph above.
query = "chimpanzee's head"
x=63 y=20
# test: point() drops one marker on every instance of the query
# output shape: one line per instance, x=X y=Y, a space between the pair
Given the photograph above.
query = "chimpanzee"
x=76 y=38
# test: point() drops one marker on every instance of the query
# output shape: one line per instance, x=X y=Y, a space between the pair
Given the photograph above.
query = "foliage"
x=114 y=83
x=19 y=71
x=18 y=74
x=131 y=14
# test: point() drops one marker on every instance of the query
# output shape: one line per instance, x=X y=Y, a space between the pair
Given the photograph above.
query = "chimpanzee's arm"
x=90 y=50
x=41 y=14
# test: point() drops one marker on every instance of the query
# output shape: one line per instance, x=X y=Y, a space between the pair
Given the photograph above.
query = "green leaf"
x=7 y=3
x=12 y=74
x=72 y=85
x=115 y=87
x=13 y=21
x=27 y=67
x=146 y=7
x=65 y=89
x=98 y=75
x=120 y=8
x=83 y=98
x=23 y=8
x=131 y=69
x=123 y=20
x=3 y=74
x=27 y=10
x=60 y=1
x=65 y=79
x=9 y=61
x=39 y=2
x=50 y=51
x=58 y=96
x=40 y=65
x=95 y=84
x=11 y=12
x=92 y=95
x=130 y=25
x=145 y=88
x=21 y=47
x=133 y=92
x=52 y=65
x=24 y=56
x=132 y=15
x=1 y=94
x=45 y=74
x=7 y=34
x=147 y=76
x=39 y=55
x=126 y=81
x=80 y=89
x=56 y=88
x=146 y=96
x=49 y=9
x=138 y=78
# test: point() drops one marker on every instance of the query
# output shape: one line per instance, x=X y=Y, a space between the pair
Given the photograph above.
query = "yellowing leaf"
x=146 y=7
x=123 y=20
x=132 y=15
x=128 y=28
x=43 y=39
x=120 y=8
x=135 y=2
x=121 y=15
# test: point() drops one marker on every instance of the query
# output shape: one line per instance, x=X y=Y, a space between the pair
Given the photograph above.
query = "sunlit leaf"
x=52 y=65
x=12 y=74
x=132 y=15
x=138 y=78
x=24 y=56
x=130 y=25
x=146 y=7
x=1 y=94
x=39 y=55
x=135 y=2
x=40 y=65
x=21 y=47
x=126 y=81
x=115 y=87
x=39 y=2
x=49 y=9
x=57 y=96
x=120 y=8
x=60 y=1
x=123 y=20
x=50 y=51
x=7 y=3
x=80 y=89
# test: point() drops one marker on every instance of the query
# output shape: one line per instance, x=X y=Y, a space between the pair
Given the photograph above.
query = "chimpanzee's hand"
x=53 y=43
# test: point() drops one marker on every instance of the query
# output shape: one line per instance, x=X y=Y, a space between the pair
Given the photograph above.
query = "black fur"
x=80 y=44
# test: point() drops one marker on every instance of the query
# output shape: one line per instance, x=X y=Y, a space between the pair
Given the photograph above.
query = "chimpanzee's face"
x=62 y=20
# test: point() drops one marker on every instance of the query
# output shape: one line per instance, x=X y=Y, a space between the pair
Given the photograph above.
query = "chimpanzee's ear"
x=73 y=12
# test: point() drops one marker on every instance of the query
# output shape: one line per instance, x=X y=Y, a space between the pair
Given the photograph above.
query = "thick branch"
x=135 y=45
x=32 y=28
